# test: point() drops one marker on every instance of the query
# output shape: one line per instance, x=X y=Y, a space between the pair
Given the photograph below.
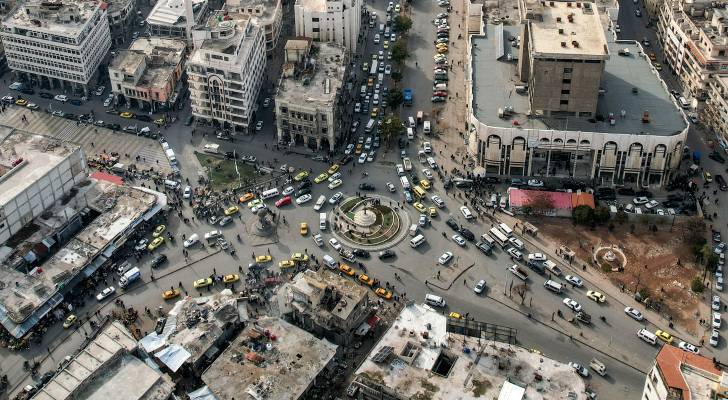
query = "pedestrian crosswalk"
x=94 y=140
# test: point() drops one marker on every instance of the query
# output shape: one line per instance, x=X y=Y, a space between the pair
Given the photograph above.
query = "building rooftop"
x=264 y=10
x=21 y=295
x=494 y=63
x=172 y=12
x=57 y=17
x=327 y=295
x=116 y=5
x=106 y=370
x=269 y=359
x=418 y=358
x=313 y=5
x=695 y=375
x=25 y=158
x=159 y=57
x=568 y=29
x=317 y=78
x=227 y=33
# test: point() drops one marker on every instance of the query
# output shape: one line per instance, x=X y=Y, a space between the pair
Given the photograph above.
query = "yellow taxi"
x=707 y=177
x=386 y=44
x=442 y=50
x=155 y=243
x=263 y=258
x=347 y=270
x=658 y=66
x=170 y=294
x=247 y=197
x=455 y=315
x=70 y=321
x=383 y=293
x=419 y=207
x=21 y=102
x=126 y=114
x=322 y=177
x=286 y=264
x=231 y=278
x=358 y=148
x=366 y=280
x=425 y=184
x=304 y=228
x=159 y=230
x=231 y=210
x=432 y=212
x=159 y=121
x=375 y=111
x=664 y=336
x=333 y=169
x=204 y=282
x=300 y=176
x=299 y=257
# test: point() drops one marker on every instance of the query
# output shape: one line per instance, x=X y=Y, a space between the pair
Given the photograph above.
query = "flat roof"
x=580 y=24
x=318 y=285
x=404 y=361
x=57 y=17
x=40 y=154
x=172 y=12
x=238 y=45
x=262 y=9
x=312 y=5
x=317 y=82
x=269 y=359
x=495 y=81
x=159 y=56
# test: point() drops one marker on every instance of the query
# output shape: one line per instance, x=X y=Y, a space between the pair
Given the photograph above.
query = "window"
x=567 y=70
x=566 y=92
x=564 y=102
x=566 y=81
x=315 y=19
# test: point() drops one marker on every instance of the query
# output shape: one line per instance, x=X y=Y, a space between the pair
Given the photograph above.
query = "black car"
x=142 y=117
x=467 y=234
x=27 y=91
x=70 y=116
x=606 y=194
x=516 y=182
x=345 y=160
x=491 y=179
x=303 y=191
x=721 y=182
x=115 y=127
x=45 y=95
x=159 y=260
x=715 y=156
x=401 y=143
x=386 y=254
x=626 y=191
x=484 y=247
x=366 y=186
x=675 y=197
x=304 y=185
x=231 y=155
x=360 y=253
x=452 y=224
x=643 y=193
x=671 y=203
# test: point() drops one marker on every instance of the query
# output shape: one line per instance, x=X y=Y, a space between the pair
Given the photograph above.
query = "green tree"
x=583 y=215
x=394 y=99
x=396 y=75
x=696 y=285
x=391 y=129
x=402 y=24
x=601 y=215
x=399 y=52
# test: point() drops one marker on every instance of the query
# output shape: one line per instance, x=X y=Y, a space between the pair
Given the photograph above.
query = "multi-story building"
x=225 y=71
x=58 y=43
x=715 y=113
x=335 y=21
x=171 y=18
x=694 y=38
x=309 y=97
x=266 y=13
x=678 y=374
x=147 y=75
x=121 y=17
x=603 y=115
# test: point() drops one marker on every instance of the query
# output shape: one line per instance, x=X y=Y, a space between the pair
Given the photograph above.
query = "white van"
x=506 y=229
x=169 y=184
x=405 y=183
x=426 y=127
x=322 y=221
x=417 y=240
x=647 y=336
x=413 y=230
x=330 y=262
x=381 y=28
x=410 y=133
x=411 y=122
x=269 y=193
x=363 y=90
x=370 y=125
x=487 y=239
x=400 y=169
x=434 y=300
x=552 y=286
x=683 y=103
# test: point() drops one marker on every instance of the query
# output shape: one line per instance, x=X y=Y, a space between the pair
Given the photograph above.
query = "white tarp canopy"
x=152 y=342
x=173 y=356
x=510 y=391
x=203 y=393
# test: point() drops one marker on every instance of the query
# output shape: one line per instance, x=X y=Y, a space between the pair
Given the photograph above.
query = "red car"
x=440 y=93
x=284 y=201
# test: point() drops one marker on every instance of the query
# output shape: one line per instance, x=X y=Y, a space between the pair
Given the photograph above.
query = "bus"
x=506 y=229
x=499 y=237
x=373 y=70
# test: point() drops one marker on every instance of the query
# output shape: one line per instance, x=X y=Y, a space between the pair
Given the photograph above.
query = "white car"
x=438 y=201
x=466 y=212
x=516 y=243
x=688 y=347
x=428 y=174
x=362 y=158
x=288 y=190
x=370 y=157
x=579 y=369
x=105 y=293
x=714 y=338
x=716 y=320
x=640 y=200
x=266 y=102
x=427 y=147
x=459 y=240
x=257 y=207
x=303 y=199
x=318 y=239
x=335 y=177
x=334 y=184
x=652 y=204
x=572 y=304
x=108 y=101
x=259 y=125
x=213 y=235
x=349 y=149
x=535 y=183
x=336 y=198
x=574 y=280
x=388 y=69
x=141 y=244
x=715 y=304
x=423 y=220
x=515 y=254
x=634 y=313
x=61 y=97
x=192 y=240
x=479 y=287
x=391 y=187
x=445 y=258
x=187 y=193
x=536 y=257
x=335 y=244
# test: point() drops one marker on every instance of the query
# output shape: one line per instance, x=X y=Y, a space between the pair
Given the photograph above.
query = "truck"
x=407 y=93
x=129 y=277
x=373 y=70
x=518 y=272
x=598 y=367
x=213 y=148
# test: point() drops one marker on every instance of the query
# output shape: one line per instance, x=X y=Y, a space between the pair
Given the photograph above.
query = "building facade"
x=121 y=17
x=176 y=18
x=309 y=97
x=715 y=114
x=337 y=21
x=266 y=13
x=678 y=374
x=60 y=44
x=149 y=73
x=226 y=70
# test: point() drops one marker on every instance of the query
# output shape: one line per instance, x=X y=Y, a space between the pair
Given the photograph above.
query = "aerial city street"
x=368 y=199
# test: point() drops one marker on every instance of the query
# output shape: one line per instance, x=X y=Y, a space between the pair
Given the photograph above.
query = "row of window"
x=45 y=71
x=33 y=43
x=42 y=61
x=302 y=116
x=46 y=54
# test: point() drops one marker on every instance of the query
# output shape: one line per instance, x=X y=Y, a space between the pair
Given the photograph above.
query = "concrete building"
x=110 y=367
x=326 y=305
x=633 y=135
x=148 y=74
x=121 y=18
x=337 y=21
x=170 y=18
x=265 y=13
x=680 y=375
x=58 y=43
x=422 y=357
x=225 y=71
x=715 y=113
x=309 y=101
x=269 y=359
